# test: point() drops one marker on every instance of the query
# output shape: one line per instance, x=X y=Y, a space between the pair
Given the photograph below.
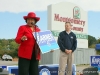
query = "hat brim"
x=36 y=18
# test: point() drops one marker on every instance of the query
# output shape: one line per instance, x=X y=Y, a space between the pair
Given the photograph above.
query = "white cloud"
x=41 y=5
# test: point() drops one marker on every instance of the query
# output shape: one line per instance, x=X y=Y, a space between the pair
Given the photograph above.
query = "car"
x=6 y=57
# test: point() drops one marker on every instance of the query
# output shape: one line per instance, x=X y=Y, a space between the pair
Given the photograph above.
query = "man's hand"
x=70 y=51
x=66 y=51
x=24 y=38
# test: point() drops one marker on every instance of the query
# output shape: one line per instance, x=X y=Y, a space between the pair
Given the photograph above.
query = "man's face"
x=30 y=21
x=68 y=26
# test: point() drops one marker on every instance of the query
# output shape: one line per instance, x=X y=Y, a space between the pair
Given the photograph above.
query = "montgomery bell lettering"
x=79 y=22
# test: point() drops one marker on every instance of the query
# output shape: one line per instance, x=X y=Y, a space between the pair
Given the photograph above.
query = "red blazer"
x=26 y=47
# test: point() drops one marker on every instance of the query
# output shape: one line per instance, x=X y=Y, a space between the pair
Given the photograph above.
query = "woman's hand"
x=52 y=51
x=24 y=38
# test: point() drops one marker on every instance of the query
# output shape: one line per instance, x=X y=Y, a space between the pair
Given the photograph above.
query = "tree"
x=8 y=46
x=0 y=46
x=98 y=40
x=13 y=45
x=91 y=41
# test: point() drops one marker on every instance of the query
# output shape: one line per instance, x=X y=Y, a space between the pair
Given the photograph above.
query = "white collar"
x=68 y=32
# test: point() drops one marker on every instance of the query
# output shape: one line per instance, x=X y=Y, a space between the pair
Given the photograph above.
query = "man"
x=67 y=42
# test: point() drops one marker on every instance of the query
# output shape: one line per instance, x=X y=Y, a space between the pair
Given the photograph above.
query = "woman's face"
x=30 y=21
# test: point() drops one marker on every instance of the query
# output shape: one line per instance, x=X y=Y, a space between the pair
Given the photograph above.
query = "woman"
x=28 y=52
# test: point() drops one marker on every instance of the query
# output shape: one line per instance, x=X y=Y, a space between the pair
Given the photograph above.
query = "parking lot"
x=8 y=63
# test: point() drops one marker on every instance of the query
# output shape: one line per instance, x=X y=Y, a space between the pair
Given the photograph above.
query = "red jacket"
x=26 y=47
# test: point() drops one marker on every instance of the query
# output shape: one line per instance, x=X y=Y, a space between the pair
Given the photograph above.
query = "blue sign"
x=95 y=61
x=46 y=41
x=3 y=67
x=43 y=70
x=97 y=47
x=9 y=68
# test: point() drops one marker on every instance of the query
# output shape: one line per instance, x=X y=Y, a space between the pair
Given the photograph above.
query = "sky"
x=12 y=12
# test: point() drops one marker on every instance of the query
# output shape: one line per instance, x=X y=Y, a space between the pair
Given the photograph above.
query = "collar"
x=68 y=32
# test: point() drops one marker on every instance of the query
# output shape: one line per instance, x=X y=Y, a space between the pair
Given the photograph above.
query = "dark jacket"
x=67 y=41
